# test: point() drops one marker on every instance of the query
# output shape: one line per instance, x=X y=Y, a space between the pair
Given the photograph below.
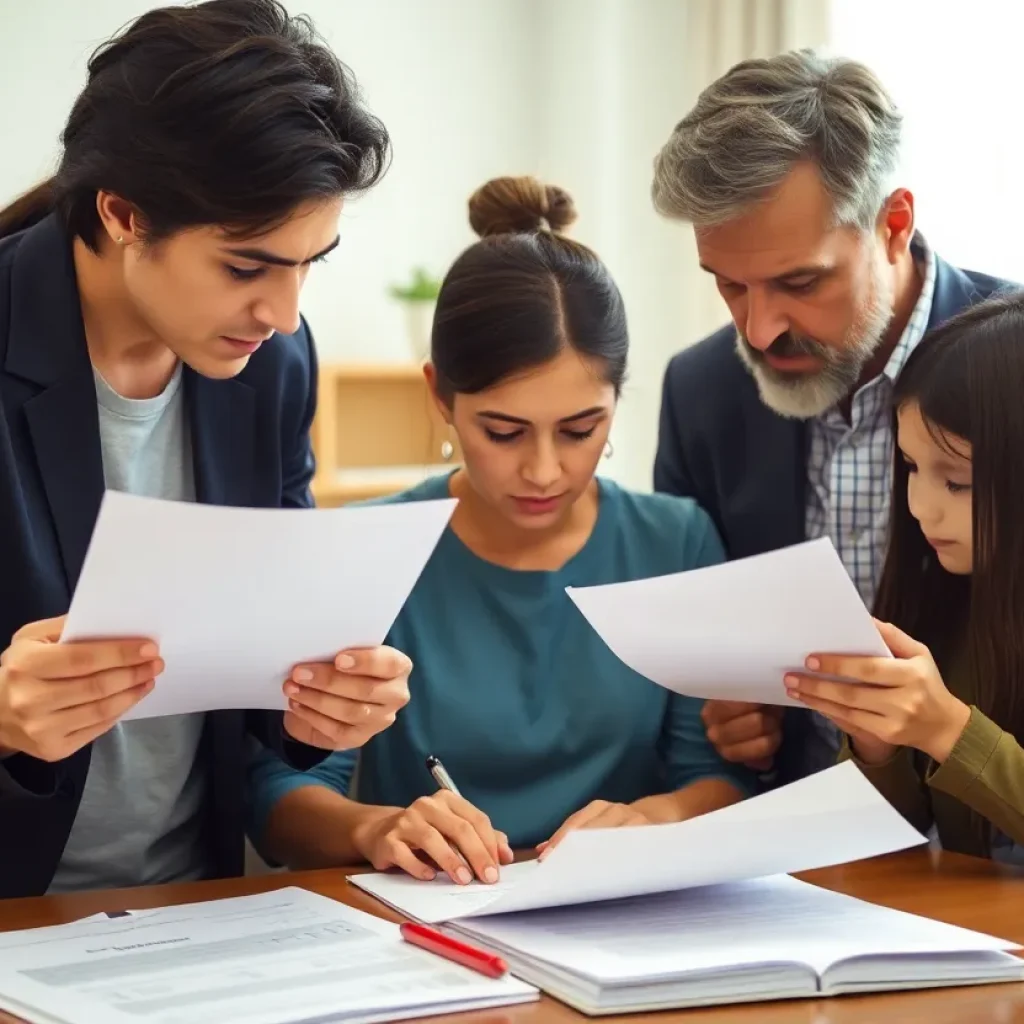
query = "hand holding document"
x=732 y=631
x=275 y=958
x=236 y=597
x=828 y=818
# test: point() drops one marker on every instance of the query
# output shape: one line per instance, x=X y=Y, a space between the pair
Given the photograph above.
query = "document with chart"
x=275 y=958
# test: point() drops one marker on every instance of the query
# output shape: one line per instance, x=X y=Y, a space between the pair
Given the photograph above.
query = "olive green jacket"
x=984 y=773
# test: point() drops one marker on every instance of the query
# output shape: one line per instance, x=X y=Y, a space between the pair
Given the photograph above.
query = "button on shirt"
x=849 y=464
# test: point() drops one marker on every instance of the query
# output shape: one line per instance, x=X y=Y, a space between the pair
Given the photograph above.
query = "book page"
x=777 y=920
x=440 y=899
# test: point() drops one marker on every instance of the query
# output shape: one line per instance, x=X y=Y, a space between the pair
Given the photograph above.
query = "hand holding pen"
x=442 y=831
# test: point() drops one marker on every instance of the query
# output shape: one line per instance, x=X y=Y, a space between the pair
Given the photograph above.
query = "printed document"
x=273 y=958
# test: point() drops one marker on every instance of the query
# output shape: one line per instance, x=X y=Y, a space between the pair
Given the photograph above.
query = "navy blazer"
x=747 y=465
x=251 y=447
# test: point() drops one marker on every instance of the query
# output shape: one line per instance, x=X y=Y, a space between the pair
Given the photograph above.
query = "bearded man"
x=780 y=425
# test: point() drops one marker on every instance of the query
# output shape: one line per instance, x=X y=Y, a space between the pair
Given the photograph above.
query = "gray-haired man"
x=780 y=424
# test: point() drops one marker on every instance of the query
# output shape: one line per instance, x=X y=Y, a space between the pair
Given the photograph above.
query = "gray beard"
x=803 y=396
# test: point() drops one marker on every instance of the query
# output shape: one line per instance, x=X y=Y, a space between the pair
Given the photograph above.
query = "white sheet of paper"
x=732 y=631
x=832 y=817
x=271 y=958
x=236 y=597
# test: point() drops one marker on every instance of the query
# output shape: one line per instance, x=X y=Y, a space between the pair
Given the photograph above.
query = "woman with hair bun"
x=539 y=725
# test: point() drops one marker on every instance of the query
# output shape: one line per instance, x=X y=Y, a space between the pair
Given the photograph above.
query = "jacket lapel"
x=222 y=417
x=47 y=347
x=774 y=477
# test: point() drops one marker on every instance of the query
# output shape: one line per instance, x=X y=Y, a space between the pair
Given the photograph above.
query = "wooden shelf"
x=376 y=431
x=362 y=485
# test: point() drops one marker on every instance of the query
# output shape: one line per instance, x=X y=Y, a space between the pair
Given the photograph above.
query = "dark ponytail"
x=229 y=112
x=28 y=209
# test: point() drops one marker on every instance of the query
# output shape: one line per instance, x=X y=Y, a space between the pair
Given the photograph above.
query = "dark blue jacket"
x=251 y=447
x=747 y=465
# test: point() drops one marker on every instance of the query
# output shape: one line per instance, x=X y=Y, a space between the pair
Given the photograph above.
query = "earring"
x=609 y=450
x=120 y=239
x=447 y=450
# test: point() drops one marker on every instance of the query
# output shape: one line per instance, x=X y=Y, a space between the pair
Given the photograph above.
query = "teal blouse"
x=528 y=709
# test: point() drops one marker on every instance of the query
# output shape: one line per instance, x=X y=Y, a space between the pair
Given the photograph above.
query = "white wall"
x=957 y=79
x=448 y=77
x=616 y=84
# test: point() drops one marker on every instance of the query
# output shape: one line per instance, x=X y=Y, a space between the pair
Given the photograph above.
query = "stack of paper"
x=701 y=912
x=277 y=958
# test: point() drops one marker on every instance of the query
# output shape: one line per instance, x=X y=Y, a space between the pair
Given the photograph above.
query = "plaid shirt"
x=849 y=465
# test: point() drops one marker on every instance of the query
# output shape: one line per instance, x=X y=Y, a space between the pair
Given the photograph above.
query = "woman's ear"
x=443 y=407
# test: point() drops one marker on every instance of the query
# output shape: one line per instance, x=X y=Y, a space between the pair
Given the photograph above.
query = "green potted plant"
x=418 y=298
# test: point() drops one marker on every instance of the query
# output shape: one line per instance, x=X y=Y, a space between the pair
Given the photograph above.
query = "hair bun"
x=523 y=204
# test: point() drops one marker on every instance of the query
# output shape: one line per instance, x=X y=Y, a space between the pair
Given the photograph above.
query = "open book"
x=703 y=912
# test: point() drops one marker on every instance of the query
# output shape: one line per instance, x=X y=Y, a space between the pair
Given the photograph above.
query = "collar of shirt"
x=869 y=400
x=917 y=325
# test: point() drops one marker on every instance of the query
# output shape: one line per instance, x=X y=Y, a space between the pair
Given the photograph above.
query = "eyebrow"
x=263 y=256
x=947 y=464
x=809 y=270
x=595 y=410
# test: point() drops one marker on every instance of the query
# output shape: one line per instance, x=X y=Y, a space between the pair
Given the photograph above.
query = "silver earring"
x=447 y=450
x=609 y=450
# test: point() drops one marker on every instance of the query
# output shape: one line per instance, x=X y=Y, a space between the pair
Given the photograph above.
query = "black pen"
x=440 y=774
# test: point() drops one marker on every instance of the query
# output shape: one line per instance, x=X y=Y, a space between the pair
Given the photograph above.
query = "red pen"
x=452 y=949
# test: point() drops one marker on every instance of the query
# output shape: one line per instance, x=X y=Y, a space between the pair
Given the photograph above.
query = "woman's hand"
x=743 y=733
x=900 y=701
x=597 y=814
x=341 y=706
x=444 y=828
x=55 y=698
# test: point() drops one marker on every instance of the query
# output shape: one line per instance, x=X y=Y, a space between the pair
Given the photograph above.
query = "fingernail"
x=302 y=675
x=813 y=663
x=345 y=661
x=491 y=875
x=792 y=680
x=295 y=705
x=149 y=651
x=291 y=689
x=793 y=694
x=463 y=876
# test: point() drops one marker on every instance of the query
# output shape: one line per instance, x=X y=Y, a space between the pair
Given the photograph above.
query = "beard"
x=806 y=395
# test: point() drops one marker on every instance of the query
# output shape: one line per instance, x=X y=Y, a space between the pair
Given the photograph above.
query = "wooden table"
x=961 y=890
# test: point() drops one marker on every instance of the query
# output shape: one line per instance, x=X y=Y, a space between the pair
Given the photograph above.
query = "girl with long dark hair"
x=938 y=728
